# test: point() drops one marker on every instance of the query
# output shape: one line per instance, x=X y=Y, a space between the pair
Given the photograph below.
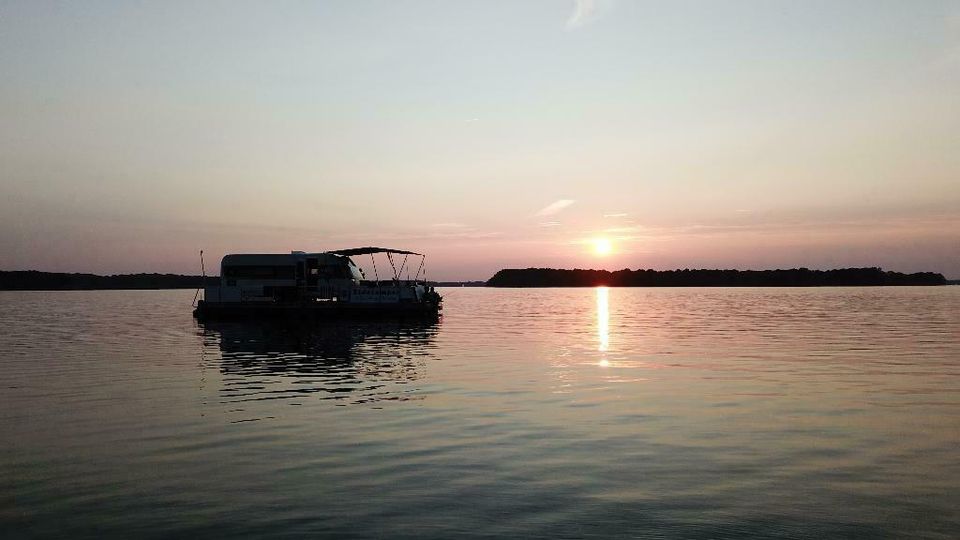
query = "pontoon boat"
x=327 y=284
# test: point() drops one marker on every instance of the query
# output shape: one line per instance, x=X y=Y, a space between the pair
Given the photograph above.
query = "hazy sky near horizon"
x=488 y=134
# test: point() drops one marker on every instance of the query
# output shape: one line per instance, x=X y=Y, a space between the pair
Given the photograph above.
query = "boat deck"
x=315 y=310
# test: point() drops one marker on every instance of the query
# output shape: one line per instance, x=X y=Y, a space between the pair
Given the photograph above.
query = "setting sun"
x=602 y=246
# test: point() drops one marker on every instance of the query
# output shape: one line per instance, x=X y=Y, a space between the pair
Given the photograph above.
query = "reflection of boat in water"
x=322 y=285
x=360 y=361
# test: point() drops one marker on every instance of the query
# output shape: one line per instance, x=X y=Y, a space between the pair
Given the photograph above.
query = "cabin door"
x=301 y=272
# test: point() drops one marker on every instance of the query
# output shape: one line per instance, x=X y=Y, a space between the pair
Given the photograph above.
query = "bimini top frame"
x=370 y=250
x=350 y=252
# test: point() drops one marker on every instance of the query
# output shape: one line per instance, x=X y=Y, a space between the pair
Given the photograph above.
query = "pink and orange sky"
x=752 y=134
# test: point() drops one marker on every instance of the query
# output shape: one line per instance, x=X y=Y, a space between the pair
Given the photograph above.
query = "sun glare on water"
x=602 y=246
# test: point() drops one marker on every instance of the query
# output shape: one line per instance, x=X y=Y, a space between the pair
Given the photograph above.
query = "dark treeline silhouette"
x=32 y=280
x=530 y=277
x=796 y=277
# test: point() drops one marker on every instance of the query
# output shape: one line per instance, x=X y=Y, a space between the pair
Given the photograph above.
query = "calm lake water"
x=538 y=413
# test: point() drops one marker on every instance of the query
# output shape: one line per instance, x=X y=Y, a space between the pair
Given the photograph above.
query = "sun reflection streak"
x=603 y=318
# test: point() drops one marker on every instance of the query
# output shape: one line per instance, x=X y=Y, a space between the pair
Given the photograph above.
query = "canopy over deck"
x=350 y=252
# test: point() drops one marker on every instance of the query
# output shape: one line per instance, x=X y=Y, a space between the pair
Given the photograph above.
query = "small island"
x=795 y=277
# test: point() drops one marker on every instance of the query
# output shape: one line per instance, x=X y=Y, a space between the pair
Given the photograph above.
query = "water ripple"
x=564 y=413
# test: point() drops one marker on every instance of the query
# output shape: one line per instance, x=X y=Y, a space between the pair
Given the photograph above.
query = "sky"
x=486 y=134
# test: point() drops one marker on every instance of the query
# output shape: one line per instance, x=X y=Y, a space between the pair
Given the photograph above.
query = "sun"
x=602 y=246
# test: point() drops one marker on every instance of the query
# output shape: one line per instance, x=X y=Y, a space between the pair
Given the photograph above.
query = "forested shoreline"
x=796 y=277
x=33 y=280
x=26 y=280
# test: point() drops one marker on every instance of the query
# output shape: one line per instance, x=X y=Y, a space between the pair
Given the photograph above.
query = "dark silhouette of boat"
x=323 y=285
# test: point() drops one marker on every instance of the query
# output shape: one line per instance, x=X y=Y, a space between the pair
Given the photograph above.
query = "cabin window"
x=328 y=271
x=259 y=272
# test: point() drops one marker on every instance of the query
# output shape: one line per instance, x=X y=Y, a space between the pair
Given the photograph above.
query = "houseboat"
x=327 y=284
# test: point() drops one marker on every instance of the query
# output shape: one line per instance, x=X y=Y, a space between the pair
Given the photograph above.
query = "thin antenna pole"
x=203 y=279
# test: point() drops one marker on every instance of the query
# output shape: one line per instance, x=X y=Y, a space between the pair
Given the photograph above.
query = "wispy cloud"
x=618 y=214
x=549 y=224
x=624 y=230
x=582 y=10
x=554 y=207
x=451 y=233
x=585 y=11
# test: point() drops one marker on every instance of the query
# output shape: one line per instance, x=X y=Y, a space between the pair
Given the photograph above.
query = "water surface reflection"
x=603 y=318
x=527 y=413
x=345 y=362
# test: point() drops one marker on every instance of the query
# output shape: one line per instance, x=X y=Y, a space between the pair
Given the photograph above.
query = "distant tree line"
x=795 y=277
x=32 y=280
x=530 y=277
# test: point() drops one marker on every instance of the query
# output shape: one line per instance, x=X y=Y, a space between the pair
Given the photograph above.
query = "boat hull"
x=315 y=310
